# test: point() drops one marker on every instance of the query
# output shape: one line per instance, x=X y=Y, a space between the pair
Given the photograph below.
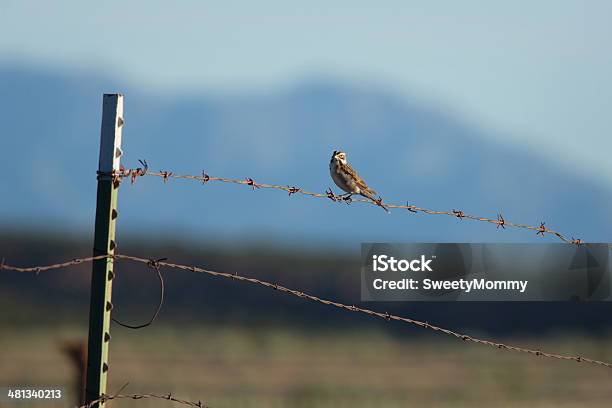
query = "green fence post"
x=104 y=243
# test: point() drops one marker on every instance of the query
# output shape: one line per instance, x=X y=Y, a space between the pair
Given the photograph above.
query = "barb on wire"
x=459 y=214
x=352 y=308
x=577 y=241
x=330 y=194
x=499 y=221
x=379 y=202
x=139 y=172
x=541 y=229
x=165 y=175
x=293 y=190
x=251 y=182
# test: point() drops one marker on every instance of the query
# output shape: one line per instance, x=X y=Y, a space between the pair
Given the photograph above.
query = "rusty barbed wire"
x=500 y=222
x=352 y=308
x=169 y=397
x=38 y=269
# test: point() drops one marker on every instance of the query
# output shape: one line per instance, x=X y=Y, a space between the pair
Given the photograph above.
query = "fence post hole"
x=104 y=243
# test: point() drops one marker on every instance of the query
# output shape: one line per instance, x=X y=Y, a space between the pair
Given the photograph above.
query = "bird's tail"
x=378 y=201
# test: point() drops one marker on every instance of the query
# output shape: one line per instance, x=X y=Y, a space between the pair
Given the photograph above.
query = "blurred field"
x=278 y=367
x=234 y=345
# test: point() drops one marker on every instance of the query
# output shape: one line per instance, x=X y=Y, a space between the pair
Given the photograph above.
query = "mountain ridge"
x=406 y=151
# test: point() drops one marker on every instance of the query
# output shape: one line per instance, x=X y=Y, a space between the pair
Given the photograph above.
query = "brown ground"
x=290 y=368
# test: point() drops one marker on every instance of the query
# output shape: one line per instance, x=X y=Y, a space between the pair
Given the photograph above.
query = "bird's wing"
x=358 y=180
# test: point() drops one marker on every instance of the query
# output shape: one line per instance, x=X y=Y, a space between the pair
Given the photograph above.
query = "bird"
x=348 y=180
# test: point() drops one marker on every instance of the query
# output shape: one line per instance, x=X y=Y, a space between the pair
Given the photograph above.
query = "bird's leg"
x=347 y=197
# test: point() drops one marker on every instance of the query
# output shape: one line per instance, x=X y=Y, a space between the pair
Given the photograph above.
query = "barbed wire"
x=352 y=308
x=499 y=221
x=169 y=397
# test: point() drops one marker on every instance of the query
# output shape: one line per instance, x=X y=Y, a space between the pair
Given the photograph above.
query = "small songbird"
x=348 y=180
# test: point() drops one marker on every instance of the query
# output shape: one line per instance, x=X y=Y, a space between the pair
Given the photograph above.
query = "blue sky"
x=536 y=72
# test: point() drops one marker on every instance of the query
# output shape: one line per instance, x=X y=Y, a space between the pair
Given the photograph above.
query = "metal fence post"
x=104 y=243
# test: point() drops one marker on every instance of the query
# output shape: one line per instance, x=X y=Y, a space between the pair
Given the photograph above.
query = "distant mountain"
x=404 y=149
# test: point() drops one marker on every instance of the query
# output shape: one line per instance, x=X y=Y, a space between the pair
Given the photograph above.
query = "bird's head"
x=339 y=156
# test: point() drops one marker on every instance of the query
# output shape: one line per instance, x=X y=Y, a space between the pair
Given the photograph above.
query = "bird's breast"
x=342 y=178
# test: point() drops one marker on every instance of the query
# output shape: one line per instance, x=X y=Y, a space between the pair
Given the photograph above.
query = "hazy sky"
x=539 y=72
